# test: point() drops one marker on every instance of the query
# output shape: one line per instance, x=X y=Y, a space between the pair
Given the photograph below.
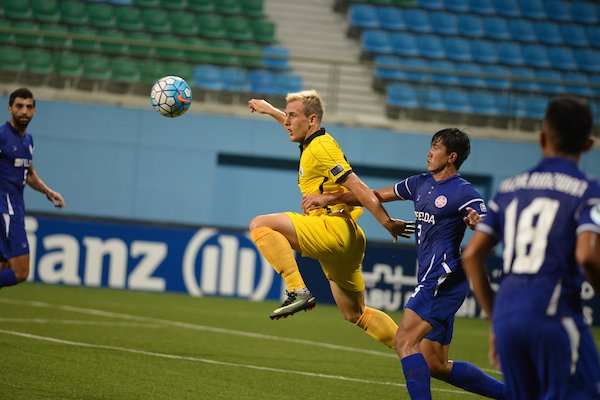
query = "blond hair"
x=311 y=100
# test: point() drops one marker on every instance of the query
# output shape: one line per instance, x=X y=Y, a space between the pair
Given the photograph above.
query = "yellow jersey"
x=322 y=166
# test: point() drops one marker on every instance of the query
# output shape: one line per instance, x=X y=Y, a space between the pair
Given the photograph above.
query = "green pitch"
x=81 y=343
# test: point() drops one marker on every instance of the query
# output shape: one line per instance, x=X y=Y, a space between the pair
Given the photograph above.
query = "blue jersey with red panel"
x=440 y=207
x=16 y=154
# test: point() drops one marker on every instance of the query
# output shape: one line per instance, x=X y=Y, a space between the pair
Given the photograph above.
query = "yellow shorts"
x=337 y=242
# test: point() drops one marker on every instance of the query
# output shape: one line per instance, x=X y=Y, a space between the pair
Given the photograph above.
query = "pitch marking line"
x=212 y=362
x=45 y=321
x=205 y=328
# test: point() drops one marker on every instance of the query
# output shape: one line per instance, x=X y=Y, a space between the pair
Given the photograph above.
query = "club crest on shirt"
x=595 y=214
x=441 y=201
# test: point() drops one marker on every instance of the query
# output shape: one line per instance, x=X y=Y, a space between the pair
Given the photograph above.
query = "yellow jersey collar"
x=306 y=142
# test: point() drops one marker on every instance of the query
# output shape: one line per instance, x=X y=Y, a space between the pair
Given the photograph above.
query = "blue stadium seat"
x=469 y=75
x=470 y=25
x=404 y=44
x=547 y=32
x=235 y=80
x=521 y=30
x=384 y=68
x=504 y=105
x=496 y=28
x=507 y=8
x=588 y=60
x=412 y=73
x=456 y=101
x=577 y=83
x=532 y=107
x=418 y=20
x=483 y=103
x=457 y=49
x=535 y=56
x=445 y=73
x=208 y=77
x=443 y=23
x=593 y=35
x=430 y=46
x=573 y=35
x=485 y=7
x=562 y=58
x=376 y=42
x=496 y=78
x=363 y=16
x=431 y=4
x=509 y=53
x=391 y=18
x=261 y=81
x=287 y=82
x=532 y=9
x=584 y=13
x=483 y=51
x=431 y=99
x=276 y=57
x=456 y=6
x=553 y=85
x=523 y=79
x=558 y=10
x=402 y=95
x=595 y=87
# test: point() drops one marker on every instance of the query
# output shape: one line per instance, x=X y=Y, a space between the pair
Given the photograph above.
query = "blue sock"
x=418 y=377
x=7 y=277
x=470 y=378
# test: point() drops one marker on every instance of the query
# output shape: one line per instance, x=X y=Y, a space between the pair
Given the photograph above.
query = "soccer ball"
x=171 y=96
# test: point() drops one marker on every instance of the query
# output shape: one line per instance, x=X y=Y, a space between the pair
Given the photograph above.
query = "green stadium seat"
x=228 y=7
x=183 y=23
x=144 y=48
x=156 y=21
x=12 y=59
x=253 y=8
x=179 y=69
x=129 y=18
x=68 y=65
x=173 y=4
x=39 y=62
x=96 y=68
x=197 y=56
x=222 y=56
x=147 y=3
x=101 y=15
x=254 y=58
x=55 y=42
x=26 y=39
x=201 y=6
x=45 y=10
x=168 y=52
x=110 y=47
x=17 y=9
x=6 y=37
x=210 y=26
x=264 y=31
x=86 y=45
x=152 y=70
x=73 y=13
x=238 y=29
x=125 y=70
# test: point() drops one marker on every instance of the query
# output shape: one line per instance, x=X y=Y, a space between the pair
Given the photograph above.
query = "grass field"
x=82 y=343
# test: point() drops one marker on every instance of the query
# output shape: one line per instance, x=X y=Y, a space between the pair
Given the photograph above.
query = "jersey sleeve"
x=331 y=160
x=490 y=223
x=406 y=188
x=471 y=198
x=588 y=216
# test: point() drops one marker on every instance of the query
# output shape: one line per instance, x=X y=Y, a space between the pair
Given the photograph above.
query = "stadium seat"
x=200 y=56
x=533 y=9
x=96 y=68
x=456 y=6
x=431 y=4
x=27 y=39
x=235 y=80
x=562 y=58
x=532 y=107
x=547 y=32
x=431 y=99
x=237 y=28
x=573 y=35
x=402 y=96
x=201 y=6
x=264 y=31
x=507 y=8
x=55 y=42
x=550 y=82
x=173 y=5
x=12 y=61
x=483 y=51
x=483 y=103
x=156 y=21
x=496 y=28
x=593 y=35
x=68 y=65
x=164 y=49
x=6 y=38
x=363 y=16
x=588 y=60
x=419 y=20
x=495 y=76
x=228 y=7
x=208 y=77
x=45 y=10
x=152 y=71
x=584 y=13
x=110 y=47
x=470 y=25
x=503 y=105
x=17 y=9
x=101 y=15
x=457 y=49
x=443 y=73
x=484 y=7
x=38 y=62
x=276 y=57
x=183 y=23
x=73 y=13
x=124 y=70
x=210 y=26
x=222 y=54
x=521 y=30
x=376 y=42
x=456 y=101
x=430 y=46
x=261 y=82
x=252 y=8
x=558 y=10
x=386 y=68
x=89 y=44
x=390 y=18
x=577 y=84
x=253 y=56
x=403 y=44
x=287 y=82
x=469 y=75
x=180 y=69
x=443 y=23
x=535 y=56
x=147 y=3
x=143 y=48
x=129 y=18
x=523 y=79
x=595 y=87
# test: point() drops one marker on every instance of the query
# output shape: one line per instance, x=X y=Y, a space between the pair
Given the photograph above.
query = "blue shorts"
x=13 y=239
x=547 y=357
x=437 y=303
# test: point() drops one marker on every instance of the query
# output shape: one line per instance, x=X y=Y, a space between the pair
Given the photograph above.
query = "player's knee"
x=405 y=345
x=351 y=316
x=258 y=222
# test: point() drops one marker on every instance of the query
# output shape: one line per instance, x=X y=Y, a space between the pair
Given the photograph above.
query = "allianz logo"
x=212 y=263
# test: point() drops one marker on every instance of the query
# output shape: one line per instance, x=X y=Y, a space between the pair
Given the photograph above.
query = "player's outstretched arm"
x=264 y=107
x=473 y=258
x=35 y=182
x=319 y=200
x=587 y=254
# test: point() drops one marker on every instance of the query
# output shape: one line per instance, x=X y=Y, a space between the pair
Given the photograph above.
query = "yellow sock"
x=278 y=252
x=379 y=326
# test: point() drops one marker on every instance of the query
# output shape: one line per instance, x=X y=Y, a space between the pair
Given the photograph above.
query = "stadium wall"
x=218 y=170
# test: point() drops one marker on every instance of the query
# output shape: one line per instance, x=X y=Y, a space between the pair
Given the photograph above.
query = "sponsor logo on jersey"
x=441 y=201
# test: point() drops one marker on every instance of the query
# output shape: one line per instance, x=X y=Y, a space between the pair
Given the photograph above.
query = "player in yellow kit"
x=331 y=234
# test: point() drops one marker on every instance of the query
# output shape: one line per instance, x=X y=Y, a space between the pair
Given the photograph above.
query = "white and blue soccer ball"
x=171 y=96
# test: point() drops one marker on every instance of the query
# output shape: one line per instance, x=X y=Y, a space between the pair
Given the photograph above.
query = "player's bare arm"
x=36 y=183
x=319 y=200
x=264 y=107
x=474 y=257
x=587 y=254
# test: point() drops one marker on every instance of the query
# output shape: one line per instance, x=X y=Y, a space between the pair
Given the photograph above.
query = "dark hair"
x=570 y=121
x=23 y=93
x=456 y=141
